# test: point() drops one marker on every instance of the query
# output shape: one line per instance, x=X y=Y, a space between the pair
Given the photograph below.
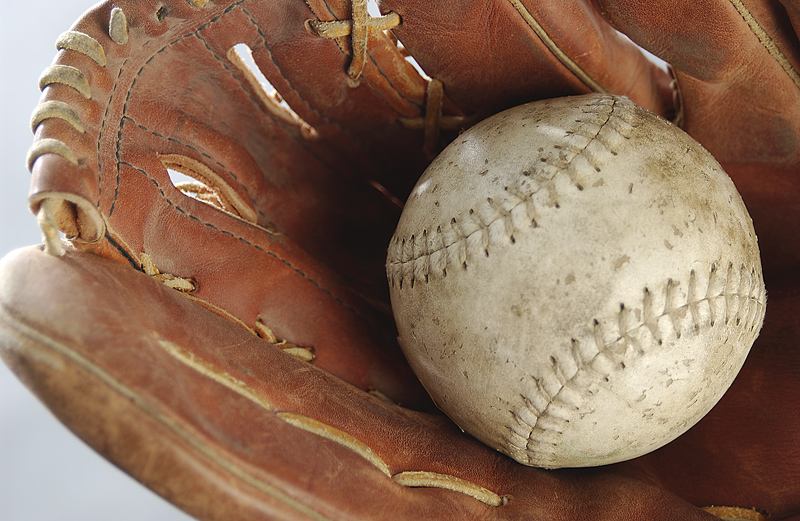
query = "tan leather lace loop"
x=177 y=283
x=118 y=26
x=56 y=109
x=84 y=44
x=359 y=28
x=434 y=97
x=735 y=513
x=49 y=227
x=305 y=354
x=433 y=121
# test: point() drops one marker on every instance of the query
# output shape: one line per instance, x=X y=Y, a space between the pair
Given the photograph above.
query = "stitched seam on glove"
x=272 y=254
x=563 y=57
x=205 y=155
x=766 y=41
x=231 y=68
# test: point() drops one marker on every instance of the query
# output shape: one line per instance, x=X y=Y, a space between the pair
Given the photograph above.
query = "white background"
x=46 y=473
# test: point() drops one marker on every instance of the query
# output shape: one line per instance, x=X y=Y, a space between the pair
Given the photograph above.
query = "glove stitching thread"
x=306 y=102
x=280 y=123
x=130 y=89
x=253 y=98
x=208 y=157
x=272 y=254
x=106 y=115
x=543 y=418
x=75 y=76
x=348 y=133
x=191 y=147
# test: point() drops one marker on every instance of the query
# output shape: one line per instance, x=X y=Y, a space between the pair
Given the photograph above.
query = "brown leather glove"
x=228 y=342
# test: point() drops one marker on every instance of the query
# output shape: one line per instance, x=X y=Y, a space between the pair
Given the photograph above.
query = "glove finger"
x=292 y=246
x=742 y=56
x=502 y=53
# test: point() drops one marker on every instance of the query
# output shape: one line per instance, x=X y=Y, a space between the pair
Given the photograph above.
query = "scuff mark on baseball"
x=576 y=281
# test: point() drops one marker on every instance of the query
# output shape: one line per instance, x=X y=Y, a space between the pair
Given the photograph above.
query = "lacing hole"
x=161 y=13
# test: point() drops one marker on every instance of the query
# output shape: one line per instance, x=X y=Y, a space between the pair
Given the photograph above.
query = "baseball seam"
x=728 y=299
x=450 y=244
x=734 y=295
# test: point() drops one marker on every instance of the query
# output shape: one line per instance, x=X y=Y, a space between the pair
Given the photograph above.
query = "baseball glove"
x=227 y=340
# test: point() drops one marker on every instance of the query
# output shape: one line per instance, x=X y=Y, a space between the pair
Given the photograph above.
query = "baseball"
x=576 y=281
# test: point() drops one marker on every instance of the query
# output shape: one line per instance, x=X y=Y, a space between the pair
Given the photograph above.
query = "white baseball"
x=576 y=281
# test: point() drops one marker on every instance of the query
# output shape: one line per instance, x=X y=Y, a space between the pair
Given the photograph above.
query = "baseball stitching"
x=450 y=244
x=733 y=295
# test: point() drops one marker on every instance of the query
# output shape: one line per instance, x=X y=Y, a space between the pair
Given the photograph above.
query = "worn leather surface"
x=115 y=368
x=320 y=225
x=301 y=249
x=499 y=61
